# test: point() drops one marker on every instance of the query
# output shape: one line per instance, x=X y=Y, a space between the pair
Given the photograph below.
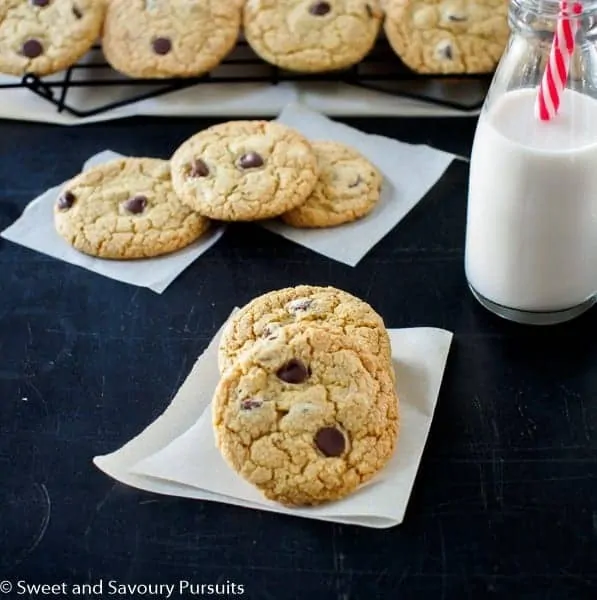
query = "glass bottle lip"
x=550 y=9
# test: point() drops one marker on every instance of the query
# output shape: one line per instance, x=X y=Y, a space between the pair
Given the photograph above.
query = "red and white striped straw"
x=556 y=73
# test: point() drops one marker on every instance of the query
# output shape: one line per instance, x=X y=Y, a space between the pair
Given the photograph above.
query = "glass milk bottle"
x=531 y=239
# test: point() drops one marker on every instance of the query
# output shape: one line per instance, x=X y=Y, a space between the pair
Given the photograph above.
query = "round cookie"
x=448 y=36
x=47 y=36
x=169 y=38
x=306 y=417
x=312 y=36
x=348 y=189
x=126 y=209
x=325 y=306
x=245 y=170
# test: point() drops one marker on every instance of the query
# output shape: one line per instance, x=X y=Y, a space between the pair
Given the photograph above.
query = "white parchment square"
x=35 y=229
x=409 y=172
x=176 y=455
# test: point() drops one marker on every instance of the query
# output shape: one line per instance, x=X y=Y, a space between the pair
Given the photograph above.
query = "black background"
x=505 y=503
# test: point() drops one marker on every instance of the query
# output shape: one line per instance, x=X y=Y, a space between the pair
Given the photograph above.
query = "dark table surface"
x=505 y=502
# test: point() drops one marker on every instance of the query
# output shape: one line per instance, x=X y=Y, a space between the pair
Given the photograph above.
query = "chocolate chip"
x=77 y=12
x=66 y=201
x=447 y=52
x=251 y=160
x=300 y=304
x=161 y=45
x=358 y=180
x=457 y=19
x=250 y=404
x=294 y=371
x=330 y=441
x=40 y=2
x=199 y=168
x=135 y=205
x=32 y=49
x=269 y=332
x=369 y=10
x=320 y=8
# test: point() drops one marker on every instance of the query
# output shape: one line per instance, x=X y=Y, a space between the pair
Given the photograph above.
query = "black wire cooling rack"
x=380 y=71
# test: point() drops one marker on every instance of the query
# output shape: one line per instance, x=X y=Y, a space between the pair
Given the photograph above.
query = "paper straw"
x=556 y=73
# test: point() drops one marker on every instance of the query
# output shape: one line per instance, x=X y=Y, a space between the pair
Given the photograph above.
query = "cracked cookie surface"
x=326 y=306
x=245 y=170
x=448 y=36
x=169 y=38
x=126 y=209
x=47 y=36
x=348 y=188
x=307 y=417
x=311 y=35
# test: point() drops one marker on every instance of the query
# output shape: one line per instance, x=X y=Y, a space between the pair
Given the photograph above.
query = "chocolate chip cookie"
x=245 y=170
x=326 y=306
x=306 y=417
x=46 y=36
x=448 y=36
x=169 y=38
x=126 y=209
x=311 y=35
x=348 y=188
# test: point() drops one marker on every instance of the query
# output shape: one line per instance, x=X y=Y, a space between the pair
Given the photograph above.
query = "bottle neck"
x=538 y=18
x=531 y=46
x=551 y=10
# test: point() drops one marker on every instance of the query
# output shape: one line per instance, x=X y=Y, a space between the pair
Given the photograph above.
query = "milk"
x=531 y=242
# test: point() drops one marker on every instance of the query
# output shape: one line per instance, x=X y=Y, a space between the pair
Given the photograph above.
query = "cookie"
x=448 y=36
x=306 y=417
x=169 y=38
x=245 y=170
x=312 y=36
x=327 y=306
x=126 y=209
x=47 y=36
x=348 y=188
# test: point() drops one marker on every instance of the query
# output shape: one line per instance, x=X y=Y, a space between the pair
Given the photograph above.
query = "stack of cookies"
x=156 y=39
x=306 y=409
x=254 y=170
x=237 y=171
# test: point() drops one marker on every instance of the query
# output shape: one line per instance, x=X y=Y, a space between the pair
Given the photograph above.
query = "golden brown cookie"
x=348 y=188
x=126 y=209
x=306 y=417
x=169 y=38
x=46 y=36
x=245 y=170
x=312 y=35
x=326 y=306
x=448 y=36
